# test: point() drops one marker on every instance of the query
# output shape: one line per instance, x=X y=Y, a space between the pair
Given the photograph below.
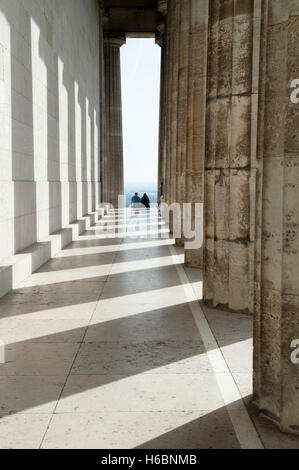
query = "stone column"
x=113 y=104
x=182 y=107
x=161 y=122
x=185 y=72
x=160 y=40
x=171 y=101
x=167 y=88
x=175 y=7
x=102 y=133
x=196 y=116
x=276 y=373
x=230 y=155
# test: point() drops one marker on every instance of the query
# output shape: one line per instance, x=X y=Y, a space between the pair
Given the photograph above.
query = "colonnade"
x=229 y=140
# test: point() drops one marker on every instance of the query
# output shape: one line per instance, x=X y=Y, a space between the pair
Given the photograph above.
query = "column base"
x=283 y=427
x=180 y=242
x=194 y=258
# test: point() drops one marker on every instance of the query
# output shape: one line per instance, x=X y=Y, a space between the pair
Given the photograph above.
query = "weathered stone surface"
x=113 y=122
x=225 y=43
x=239 y=205
x=242 y=52
x=230 y=139
x=291 y=226
x=221 y=273
x=208 y=286
x=276 y=377
x=223 y=133
x=222 y=206
x=240 y=133
x=272 y=222
x=238 y=276
x=211 y=130
x=210 y=202
x=184 y=86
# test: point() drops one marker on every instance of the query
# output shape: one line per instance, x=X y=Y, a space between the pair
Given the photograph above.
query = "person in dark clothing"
x=145 y=201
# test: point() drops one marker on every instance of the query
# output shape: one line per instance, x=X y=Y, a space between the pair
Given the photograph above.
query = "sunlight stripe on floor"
x=243 y=426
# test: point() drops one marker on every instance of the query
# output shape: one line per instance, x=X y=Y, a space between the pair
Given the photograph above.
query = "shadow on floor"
x=114 y=350
x=211 y=431
x=96 y=259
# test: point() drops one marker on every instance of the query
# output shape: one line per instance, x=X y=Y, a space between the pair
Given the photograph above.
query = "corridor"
x=107 y=347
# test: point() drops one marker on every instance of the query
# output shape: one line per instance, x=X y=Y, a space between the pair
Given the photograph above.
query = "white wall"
x=49 y=117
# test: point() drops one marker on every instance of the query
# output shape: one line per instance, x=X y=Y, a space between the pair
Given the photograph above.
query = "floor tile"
x=27 y=358
x=180 y=357
x=144 y=392
x=26 y=394
x=145 y=430
x=23 y=431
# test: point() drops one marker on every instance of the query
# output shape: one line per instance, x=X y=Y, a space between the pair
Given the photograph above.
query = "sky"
x=140 y=68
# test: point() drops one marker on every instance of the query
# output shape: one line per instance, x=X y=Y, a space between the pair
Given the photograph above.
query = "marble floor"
x=108 y=347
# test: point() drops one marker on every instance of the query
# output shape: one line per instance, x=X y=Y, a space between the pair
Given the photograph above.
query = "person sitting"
x=135 y=201
x=145 y=201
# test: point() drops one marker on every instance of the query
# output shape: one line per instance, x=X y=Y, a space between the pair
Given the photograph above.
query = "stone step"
x=18 y=267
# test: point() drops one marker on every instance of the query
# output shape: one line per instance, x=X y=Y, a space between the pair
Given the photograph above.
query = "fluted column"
x=160 y=40
x=171 y=101
x=230 y=162
x=276 y=330
x=167 y=47
x=182 y=108
x=175 y=6
x=114 y=135
x=196 y=118
x=185 y=97
x=161 y=120
x=102 y=134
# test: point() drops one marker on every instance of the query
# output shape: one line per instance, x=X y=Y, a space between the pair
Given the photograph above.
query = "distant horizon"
x=141 y=187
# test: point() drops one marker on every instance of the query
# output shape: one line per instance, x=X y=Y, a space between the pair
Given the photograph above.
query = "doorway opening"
x=140 y=75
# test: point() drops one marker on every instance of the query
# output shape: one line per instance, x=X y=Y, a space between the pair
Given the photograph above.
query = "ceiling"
x=131 y=3
x=132 y=17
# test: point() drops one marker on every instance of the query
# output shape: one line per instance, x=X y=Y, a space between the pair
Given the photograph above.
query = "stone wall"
x=49 y=117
